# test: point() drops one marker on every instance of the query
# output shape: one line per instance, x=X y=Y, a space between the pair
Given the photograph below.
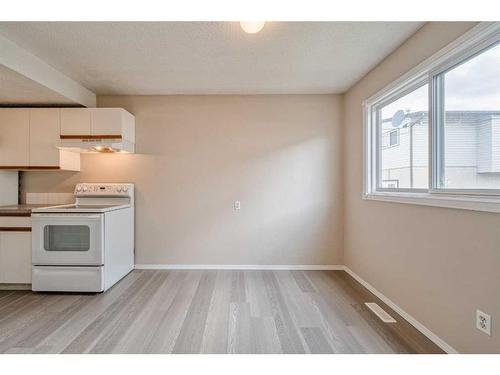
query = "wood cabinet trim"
x=87 y=136
x=15 y=214
x=31 y=168
x=15 y=229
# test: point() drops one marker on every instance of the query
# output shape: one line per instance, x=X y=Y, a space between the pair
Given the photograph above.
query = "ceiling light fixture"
x=252 y=27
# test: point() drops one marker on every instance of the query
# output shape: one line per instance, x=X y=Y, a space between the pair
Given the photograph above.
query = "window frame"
x=480 y=38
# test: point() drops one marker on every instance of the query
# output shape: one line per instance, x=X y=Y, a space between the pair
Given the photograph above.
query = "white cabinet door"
x=75 y=121
x=106 y=121
x=44 y=137
x=14 y=137
x=15 y=257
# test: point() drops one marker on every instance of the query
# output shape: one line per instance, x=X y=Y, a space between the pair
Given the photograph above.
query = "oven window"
x=66 y=238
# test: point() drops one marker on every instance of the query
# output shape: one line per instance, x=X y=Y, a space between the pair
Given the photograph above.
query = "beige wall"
x=282 y=157
x=438 y=264
x=279 y=155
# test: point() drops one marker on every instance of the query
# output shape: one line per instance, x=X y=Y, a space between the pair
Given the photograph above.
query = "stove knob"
x=85 y=189
x=125 y=189
x=79 y=189
x=119 y=189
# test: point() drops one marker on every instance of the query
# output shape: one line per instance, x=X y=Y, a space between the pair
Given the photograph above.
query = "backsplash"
x=48 y=198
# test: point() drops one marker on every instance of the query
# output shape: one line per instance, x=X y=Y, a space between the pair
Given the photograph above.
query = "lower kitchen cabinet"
x=15 y=256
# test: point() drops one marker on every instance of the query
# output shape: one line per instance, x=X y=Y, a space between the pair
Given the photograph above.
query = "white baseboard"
x=306 y=267
x=410 y=319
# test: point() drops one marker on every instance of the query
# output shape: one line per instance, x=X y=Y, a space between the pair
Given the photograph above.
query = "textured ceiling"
x=16 y=89
x=211 y=57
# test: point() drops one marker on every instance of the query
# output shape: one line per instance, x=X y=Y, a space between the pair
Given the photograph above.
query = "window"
x=433 y=136
x=390 y=138
x=394 y=138
x=404 y=122
x=469 y=123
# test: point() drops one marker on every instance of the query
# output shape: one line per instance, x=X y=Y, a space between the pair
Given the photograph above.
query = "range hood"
x=96 y=144
x=94 y=130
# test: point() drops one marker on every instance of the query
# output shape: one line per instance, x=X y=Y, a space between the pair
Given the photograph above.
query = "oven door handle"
x=65 y=216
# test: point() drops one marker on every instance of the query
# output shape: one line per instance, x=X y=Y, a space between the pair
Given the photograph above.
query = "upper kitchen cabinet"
x=94 y=122
x=29 y=140
x=75 y=121
x=113 y=122
x=53 y=138
x=44 y=137
x=45 y=128
x=14 y=138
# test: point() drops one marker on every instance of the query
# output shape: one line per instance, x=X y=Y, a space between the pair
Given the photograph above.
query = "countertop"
x=20 y=209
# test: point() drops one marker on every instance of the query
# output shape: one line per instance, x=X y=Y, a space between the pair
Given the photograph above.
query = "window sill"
x=464 y=202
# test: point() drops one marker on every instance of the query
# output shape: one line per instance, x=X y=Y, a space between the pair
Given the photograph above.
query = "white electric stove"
x=86 y=246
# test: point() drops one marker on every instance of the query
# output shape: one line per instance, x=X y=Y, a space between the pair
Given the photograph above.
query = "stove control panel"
x=104 y=189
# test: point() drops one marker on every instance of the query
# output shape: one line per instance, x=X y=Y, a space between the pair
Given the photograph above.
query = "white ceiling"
x=147 y=58
x=16 y=89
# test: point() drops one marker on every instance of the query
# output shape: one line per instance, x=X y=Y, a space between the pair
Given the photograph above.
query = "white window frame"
x=429 y=71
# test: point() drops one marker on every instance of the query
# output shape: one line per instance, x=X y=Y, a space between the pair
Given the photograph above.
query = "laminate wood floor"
x=199 y=311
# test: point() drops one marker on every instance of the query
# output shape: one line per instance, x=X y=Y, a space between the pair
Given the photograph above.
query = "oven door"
x=68 y=239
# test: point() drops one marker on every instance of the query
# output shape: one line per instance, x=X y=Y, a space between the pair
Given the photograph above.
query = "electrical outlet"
x=237 y=205
x=483 y=322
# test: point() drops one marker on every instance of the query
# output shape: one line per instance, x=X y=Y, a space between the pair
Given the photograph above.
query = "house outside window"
x=433 y=136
